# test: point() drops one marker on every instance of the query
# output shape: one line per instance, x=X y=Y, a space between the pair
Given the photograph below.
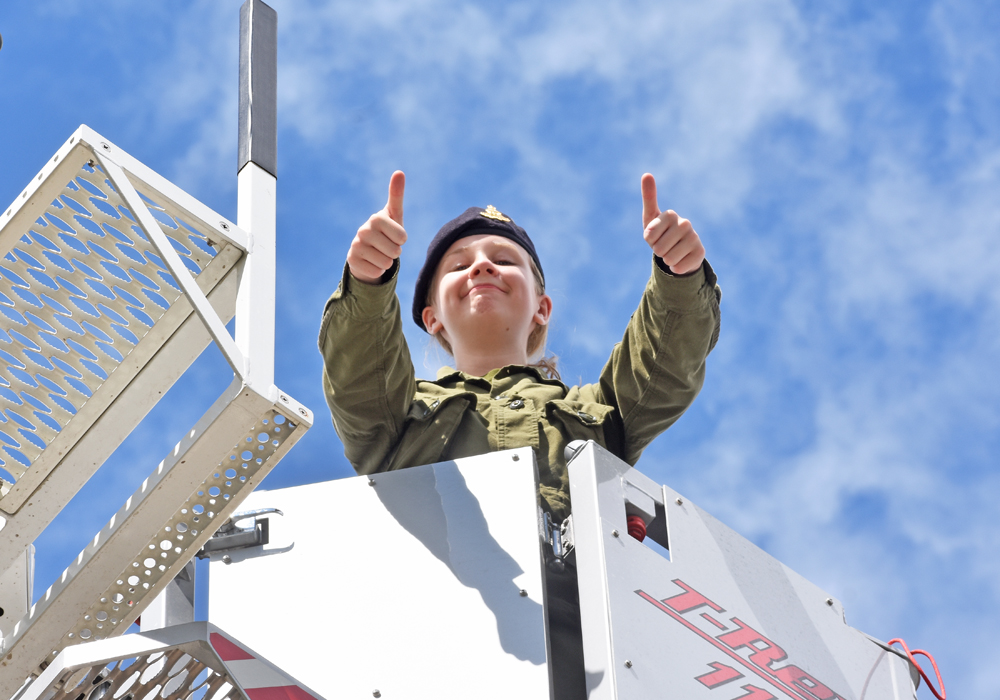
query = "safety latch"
x=232 y=536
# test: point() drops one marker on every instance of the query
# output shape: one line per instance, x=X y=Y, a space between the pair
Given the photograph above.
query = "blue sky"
x=841 y=164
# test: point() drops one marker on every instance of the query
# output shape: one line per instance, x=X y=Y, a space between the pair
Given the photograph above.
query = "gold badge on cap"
x=492 y=213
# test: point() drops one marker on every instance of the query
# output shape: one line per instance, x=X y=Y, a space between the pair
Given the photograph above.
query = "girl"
x=481 y=293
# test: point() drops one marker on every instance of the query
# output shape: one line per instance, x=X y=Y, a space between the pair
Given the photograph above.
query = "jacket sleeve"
x=368 y=376
x=658 y=368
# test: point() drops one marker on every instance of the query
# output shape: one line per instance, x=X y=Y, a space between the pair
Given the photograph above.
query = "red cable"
x=910 y=655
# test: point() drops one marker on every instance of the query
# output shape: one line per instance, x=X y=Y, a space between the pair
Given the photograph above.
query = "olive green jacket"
x=388 y=419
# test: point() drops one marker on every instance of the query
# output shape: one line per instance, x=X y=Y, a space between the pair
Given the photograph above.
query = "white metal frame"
x=235 y=444
x=162 y=355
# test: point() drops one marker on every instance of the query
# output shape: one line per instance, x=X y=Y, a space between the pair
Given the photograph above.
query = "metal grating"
x=194 y=661
x=78 y=291
x=171 y=675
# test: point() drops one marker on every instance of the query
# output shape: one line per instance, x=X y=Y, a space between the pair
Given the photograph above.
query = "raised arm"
x=658 y=368
x=368 y=376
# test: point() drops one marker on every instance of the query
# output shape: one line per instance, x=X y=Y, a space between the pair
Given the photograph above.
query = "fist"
x=379 y=241
x=672 y=238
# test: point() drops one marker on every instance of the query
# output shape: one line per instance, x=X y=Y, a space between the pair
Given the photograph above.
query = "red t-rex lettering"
x=800 y=680
x=720 y=676
x=755 y=693
x=765 y=653
x=689 y=600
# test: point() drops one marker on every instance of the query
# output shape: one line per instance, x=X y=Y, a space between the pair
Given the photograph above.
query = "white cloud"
x=850 y=206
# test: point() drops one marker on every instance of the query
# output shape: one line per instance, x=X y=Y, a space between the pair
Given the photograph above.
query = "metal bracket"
x=559 y=536
x=231 y=536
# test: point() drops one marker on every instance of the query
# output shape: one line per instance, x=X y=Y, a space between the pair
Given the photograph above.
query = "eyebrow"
x=496 y=244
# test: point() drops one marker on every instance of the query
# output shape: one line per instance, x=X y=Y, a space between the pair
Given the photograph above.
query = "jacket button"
x=517 y=404
x=434 y=405
x=587 y=418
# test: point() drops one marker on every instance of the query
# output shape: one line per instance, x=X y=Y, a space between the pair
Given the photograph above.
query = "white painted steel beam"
x=255 y=301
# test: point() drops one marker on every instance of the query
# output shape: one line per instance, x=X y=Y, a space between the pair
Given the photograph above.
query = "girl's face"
x=484 y=291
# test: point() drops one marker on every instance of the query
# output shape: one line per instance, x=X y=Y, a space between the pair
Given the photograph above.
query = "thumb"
x=394 y=207
x=650 y=209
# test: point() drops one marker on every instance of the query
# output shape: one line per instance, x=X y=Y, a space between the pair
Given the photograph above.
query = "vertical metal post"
x=256 y=214
x=256 y=189
x=16 y=586
x=175 y=605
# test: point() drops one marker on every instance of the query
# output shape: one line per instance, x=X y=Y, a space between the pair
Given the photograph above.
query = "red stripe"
x=278 y=692
x=226 y=650
x=776 y=683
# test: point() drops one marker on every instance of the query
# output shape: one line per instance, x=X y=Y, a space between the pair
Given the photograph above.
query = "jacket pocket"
x=428 y=428
x=581 y=420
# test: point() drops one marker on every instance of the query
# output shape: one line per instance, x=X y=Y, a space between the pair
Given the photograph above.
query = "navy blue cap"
x=473 y=221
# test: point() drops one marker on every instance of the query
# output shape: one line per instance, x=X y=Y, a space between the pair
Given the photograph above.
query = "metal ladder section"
x=112 y=282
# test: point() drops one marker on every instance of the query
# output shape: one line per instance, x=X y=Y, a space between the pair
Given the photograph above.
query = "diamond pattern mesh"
x=78 y=291
x=171 y=675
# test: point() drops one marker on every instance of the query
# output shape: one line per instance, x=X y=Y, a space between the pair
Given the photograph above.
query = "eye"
x=505 y=262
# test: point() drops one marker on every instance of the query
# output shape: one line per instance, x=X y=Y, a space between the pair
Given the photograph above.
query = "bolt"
x=628 y=664
x=516 y=458
x=376 y=693
x=105 y=146
x=680 y=501
x=226 y=559
x=524 y=593
x=829 y=601
x=284 y=398
x=223 y=225
x=371 y=482
x=303 y=411
x=614 y=533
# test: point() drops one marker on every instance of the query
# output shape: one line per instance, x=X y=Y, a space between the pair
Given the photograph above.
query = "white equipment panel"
x=420 y=583
x=716 y=619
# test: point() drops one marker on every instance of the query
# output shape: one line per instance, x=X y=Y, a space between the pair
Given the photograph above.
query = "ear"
x=430 y=319
x=544 y=311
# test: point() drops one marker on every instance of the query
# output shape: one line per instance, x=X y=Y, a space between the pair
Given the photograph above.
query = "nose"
x=482 y=265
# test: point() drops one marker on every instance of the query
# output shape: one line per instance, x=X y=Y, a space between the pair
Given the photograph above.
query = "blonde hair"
x=536 y=339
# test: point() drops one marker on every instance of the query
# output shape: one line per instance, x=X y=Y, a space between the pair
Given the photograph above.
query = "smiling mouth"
x=480 y=287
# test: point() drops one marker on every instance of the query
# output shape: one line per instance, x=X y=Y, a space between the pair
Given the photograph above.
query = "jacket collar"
x=449 y=374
